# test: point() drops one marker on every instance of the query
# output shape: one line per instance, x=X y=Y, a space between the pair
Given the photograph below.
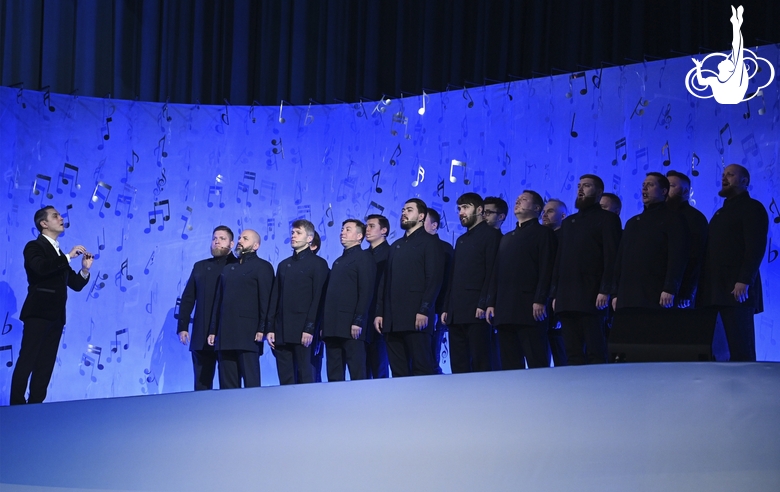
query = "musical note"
x=575 y=76
x=116 y=345
x=88 y=360
x=747 y=114
x=97 y=284
x=124 y=272
x=6 y=324
x=166 y=215
x=160 y=152
x=38 y=188
x=130 y=165
x=775 y=211
x=666 y=151
x=425 y=97
x=161 y=181
x=440 y=191
x=243 y=187
x=281 y=108
x=8 y=349
x=69 y=173
x=268 y=192
x=329 y=215
x=270 y=229
x=149 y=263
x=187 y=226
x=456 y=163
x=694 y=163
x=479 y=182
x=165 y=113
x=618 y=144
x=467 y=97
x=573 y=133
x=567 y=182
x=215 y=191
x=616 y=179
x=308 y=120
x=278 y=148
x=641 y=157
x=396 y=154
x=107 y=135
x=377 y=206
x=152 y=300
x=66 y=216
x=122 y=240
x=420 y=176
x=664 y=117
x=719 y=143
x=749 y=145
x=596 y=79
x=126 y=198
x=761 y=111
x=771 y=254
x=639 y=111
x=98 y=195
x=47 y=100
x=101 y=246
x=376 y=175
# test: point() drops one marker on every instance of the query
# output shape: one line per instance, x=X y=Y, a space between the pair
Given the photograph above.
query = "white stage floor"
x=686 y=426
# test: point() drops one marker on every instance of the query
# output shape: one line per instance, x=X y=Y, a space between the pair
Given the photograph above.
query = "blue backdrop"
x=143 y=184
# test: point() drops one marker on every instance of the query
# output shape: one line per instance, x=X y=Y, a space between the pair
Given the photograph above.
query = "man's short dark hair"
x=316 y=243
x=40 y=215
x=596 y=180
x=434 y=215
x=223 y=228
x=615 y=199
x=679 y=175
x=501 y=205
x=662 y=181
x=561 y=203
x=305 y=225
x=383 y=222
x=472 y=199
x=361 y=226
x=421 y=206
x=537 y=199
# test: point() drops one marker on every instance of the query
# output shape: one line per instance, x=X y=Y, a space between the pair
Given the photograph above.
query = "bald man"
x=240 y=314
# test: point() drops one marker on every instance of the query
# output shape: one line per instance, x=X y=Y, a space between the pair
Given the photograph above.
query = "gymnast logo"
x=729 y=85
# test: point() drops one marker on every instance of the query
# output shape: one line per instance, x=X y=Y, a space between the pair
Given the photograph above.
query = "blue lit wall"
x=143 y=184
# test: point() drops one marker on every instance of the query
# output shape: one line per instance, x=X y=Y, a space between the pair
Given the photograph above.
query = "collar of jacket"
x=744 y=195
x=303 y=254
x=351 y=249
x=655 y=206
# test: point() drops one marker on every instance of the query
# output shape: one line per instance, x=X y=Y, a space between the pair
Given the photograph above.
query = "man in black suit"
x=43 y=313
x=431 y=225
x=611 y=203
x=731 y=285
x=582 y=279
x=317 y=345
x=651 y=260
x=199 y=294
x=679 y=193
x=300 y=283
x=496 y=210
x=406 y=306
x=377 y=229
x=552 y=216
x=466 y=297
x=239 y=317
x=520 y=286
x=351 y=286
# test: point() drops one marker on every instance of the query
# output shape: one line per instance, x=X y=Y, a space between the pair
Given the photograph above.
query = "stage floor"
x=684 y=426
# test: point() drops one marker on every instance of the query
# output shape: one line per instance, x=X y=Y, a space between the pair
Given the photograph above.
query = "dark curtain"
x=326 y=50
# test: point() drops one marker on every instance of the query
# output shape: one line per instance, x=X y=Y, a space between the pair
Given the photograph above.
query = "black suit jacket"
x=241 y=304
x=350 y=289
x=697 y=234
x=448 y=253
x=48 y=277
x=652 y=257
x=380 y=255
x=585 y=262
x=412 y=281
x=300 y=282
x=735 y=249
x=199 y=294
x=522 y=273
x=472 y=266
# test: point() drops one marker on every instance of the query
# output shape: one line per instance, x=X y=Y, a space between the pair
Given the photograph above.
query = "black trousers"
x=40 y=341
x=204 y=366
x=410 y=353
x=521 y=344
x=557 y=346
x=235 y=365
x=583 y=335
x=470 y=347
x=294 y=363
x=740 y=330
x=377 y=365
x=342 y=353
